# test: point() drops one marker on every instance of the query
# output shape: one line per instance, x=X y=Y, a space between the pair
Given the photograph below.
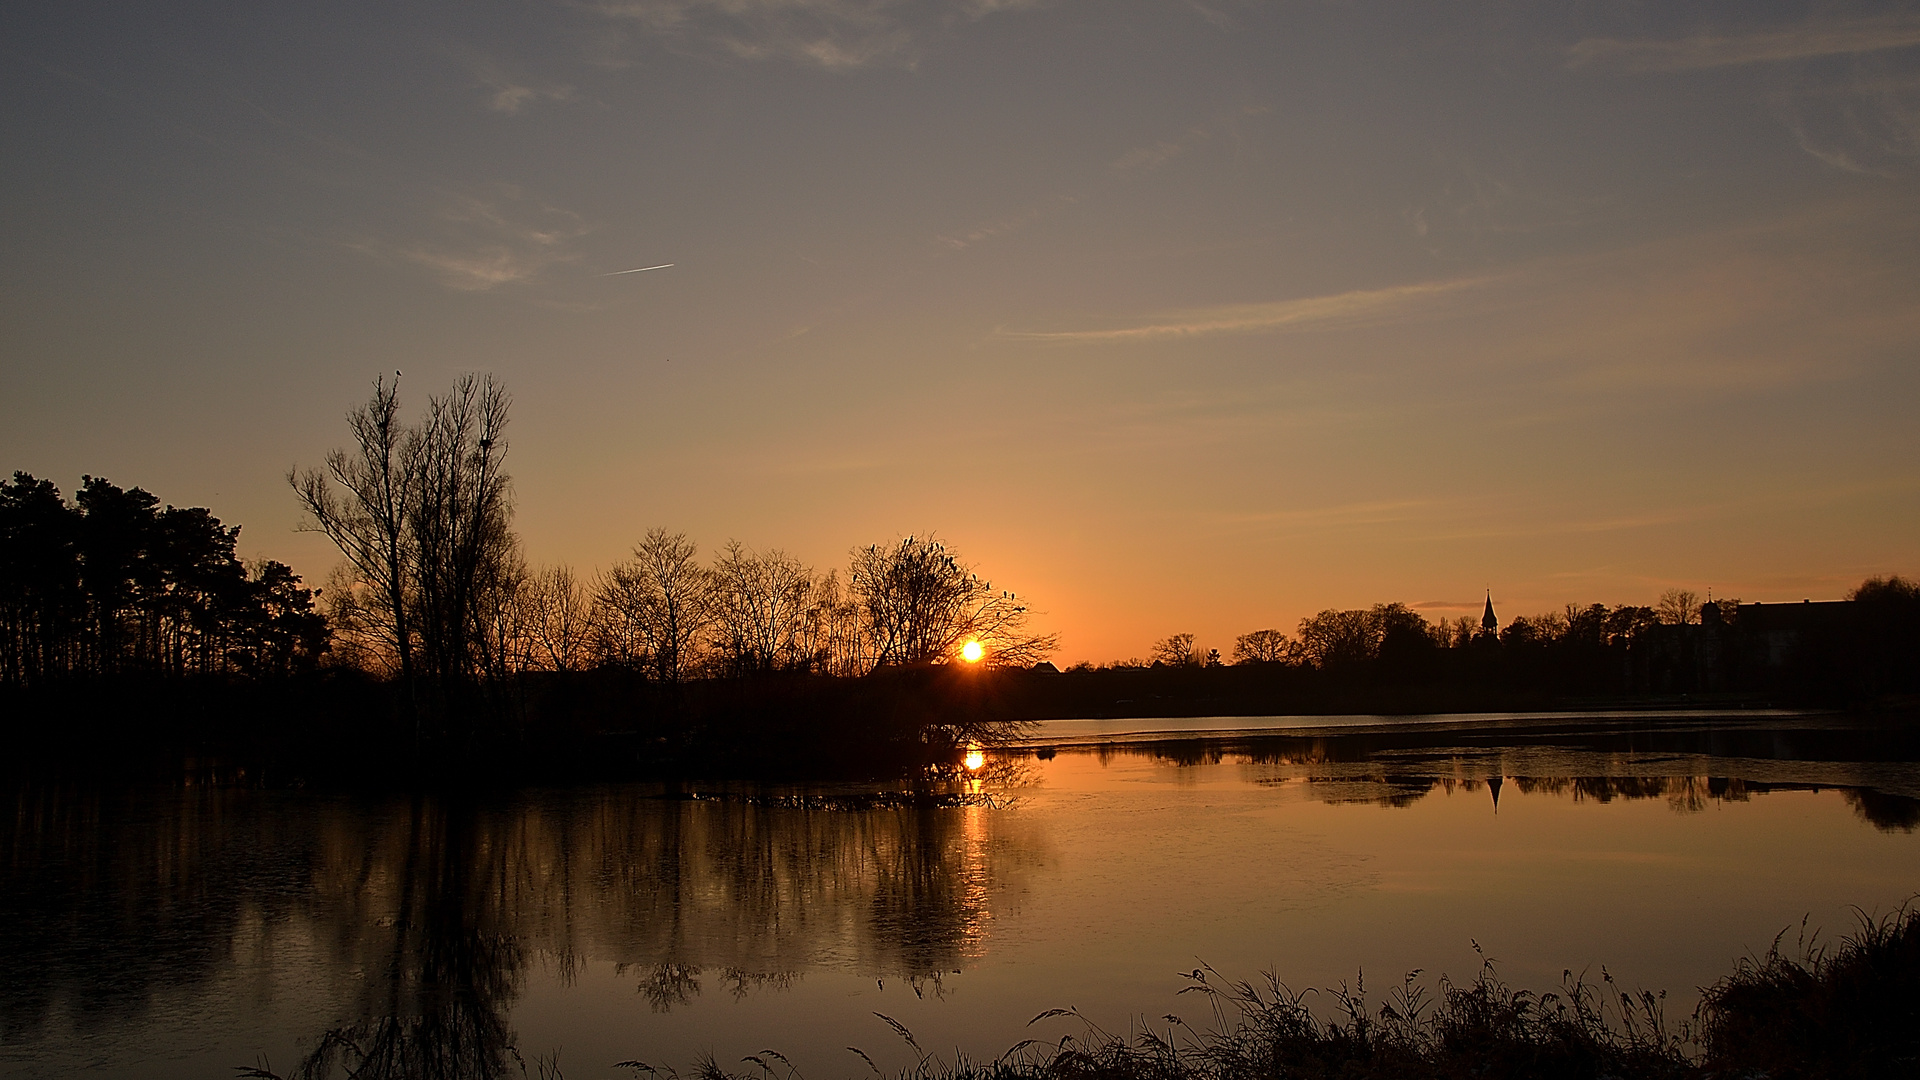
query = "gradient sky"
x=1172 y=316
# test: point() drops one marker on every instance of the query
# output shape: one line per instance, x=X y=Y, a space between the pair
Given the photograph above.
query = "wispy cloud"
x=1867 y=122
x=1379 y=512
x=1341 y=310
x=484 y=242
x=831 y=34
x=962 y=239
x=513 y=99
x=510 y=91
x=1714 y=51
x=1159 y=153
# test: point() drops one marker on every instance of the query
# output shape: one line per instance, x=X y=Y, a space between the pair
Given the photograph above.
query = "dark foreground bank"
x=1850 y=1010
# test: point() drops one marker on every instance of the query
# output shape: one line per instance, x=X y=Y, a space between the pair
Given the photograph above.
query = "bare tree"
x=616 y=626
x=361 y=626
x=656 y=605
x=1176 y=650
x=558 y=619
x=502 y=618
x=1679 y=607
x=1265 y=647
x=831 y=638
x=460 y=519
x=422 y=515
x=760 y=608
x=361 y=501
x=920 y=604
x=1457 y=633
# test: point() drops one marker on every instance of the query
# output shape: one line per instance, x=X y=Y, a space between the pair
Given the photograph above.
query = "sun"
x=974 y=759
x=972 y=651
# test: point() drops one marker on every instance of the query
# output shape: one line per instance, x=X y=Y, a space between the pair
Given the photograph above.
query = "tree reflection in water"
x=425 y=912
x=422 y=917
x=452 y=966
x=1400 y=768
x=680 y=885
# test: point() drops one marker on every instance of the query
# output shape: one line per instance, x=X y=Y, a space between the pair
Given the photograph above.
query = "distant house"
x=1744 y=647
x=1773 y=632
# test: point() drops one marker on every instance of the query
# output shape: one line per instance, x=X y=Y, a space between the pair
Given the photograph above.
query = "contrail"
x=637 y=270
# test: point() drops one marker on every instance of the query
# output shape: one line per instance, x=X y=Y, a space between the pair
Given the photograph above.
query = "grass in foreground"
x=1851 y=1010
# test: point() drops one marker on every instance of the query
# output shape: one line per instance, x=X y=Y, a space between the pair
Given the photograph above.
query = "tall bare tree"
x=362 y=500
x=503 y=636
x=460 y=519
x=423 y=515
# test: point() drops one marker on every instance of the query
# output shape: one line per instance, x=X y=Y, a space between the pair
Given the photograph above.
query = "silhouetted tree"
x=1885 y=650
x=1346 y=639
x=1176 y=650
x=502 y=618
x=286 y=633
x=653 y=608
x=423 y=515
x=1405 y=640
x=1627 y=623
x=920 y=604
x=113 y=584
x=1265 y=647
x=830 y=633
x=558 y=619
x=367 y=517
x=1678 y=607
x=42 y=603
x=460 y=521
x=760 y=608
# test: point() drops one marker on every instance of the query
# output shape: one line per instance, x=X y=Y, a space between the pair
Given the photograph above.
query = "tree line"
x=110 y=584
x=434 y=589
x=435 y=584
x=1677 y=644
x=1344 y=638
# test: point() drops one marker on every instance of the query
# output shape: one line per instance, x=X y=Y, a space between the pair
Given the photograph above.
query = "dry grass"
x=1835 y=1012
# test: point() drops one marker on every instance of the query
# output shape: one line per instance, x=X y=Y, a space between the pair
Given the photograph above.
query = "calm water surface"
x=181 y=931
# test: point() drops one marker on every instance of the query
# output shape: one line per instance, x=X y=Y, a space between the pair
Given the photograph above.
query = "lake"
x=182 y=929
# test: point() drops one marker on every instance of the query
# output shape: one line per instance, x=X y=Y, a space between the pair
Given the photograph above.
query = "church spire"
x=1489 y=622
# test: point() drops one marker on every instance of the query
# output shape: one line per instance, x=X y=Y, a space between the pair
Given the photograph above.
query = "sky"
x=1169 y=315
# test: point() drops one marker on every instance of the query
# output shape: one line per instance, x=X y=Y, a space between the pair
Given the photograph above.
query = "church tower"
x=1489 y=623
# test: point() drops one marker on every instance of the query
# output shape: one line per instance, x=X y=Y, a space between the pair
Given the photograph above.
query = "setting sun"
x=972 y=651
x=974 y=759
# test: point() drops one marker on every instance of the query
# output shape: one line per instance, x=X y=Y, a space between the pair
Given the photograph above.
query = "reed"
x=1828 y=1012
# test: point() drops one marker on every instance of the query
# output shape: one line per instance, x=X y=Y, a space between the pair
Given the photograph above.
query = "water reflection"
x=1692 y=766
x=429 y=910
x=425 y=915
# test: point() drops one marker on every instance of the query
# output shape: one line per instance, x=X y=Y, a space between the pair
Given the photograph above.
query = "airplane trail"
x=637 y=270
